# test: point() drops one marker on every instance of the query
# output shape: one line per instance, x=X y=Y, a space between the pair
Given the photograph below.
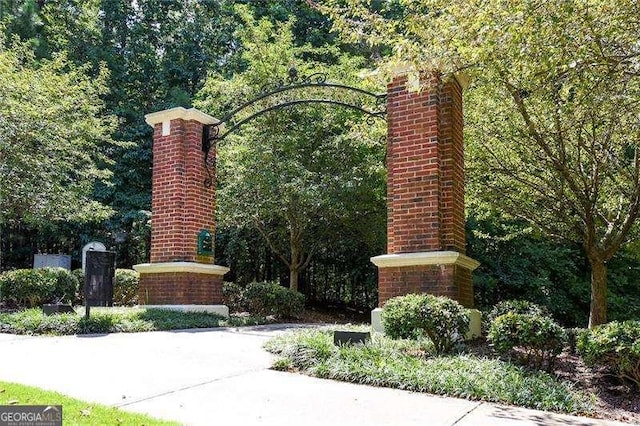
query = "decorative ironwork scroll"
x=293 y=90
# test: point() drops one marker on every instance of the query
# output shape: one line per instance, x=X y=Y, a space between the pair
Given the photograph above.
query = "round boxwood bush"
x=125 y=287
x=514 y=306
x=270 y=298
x=79 y=296
x=233 y=297
x=34 y=287
x=442 y=320
x=538 y=338
x=615 y=345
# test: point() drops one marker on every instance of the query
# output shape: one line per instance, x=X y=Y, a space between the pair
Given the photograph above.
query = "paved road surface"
x=222 y=376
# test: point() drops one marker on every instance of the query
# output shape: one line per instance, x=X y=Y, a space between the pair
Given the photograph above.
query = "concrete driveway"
x=219 y=376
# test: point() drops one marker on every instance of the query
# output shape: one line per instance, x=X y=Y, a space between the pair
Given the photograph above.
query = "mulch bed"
x=614 y=400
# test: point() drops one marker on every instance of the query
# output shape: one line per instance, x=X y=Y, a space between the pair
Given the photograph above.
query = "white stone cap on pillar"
x=413 y=76
x=177 y=113
x=425 y=258
x=171 y=267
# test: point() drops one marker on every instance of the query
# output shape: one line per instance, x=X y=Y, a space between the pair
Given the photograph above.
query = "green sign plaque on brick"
x=205 y=243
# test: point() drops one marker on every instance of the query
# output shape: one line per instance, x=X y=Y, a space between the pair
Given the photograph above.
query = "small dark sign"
x=205 y=243
x=350 y=337
x=99 y=277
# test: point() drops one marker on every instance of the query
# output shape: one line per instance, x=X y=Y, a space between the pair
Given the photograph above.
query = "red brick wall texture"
x=441 y=280
x=425 y=188
x=180 y=203
x=181 y=207
x=425 y=161
x=180 y=288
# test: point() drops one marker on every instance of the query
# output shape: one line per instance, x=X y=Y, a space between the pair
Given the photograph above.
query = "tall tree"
x=54 y=133
x=292 y=172
x=552 y=115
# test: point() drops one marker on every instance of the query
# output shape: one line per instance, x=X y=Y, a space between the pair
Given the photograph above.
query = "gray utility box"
x=52 y=261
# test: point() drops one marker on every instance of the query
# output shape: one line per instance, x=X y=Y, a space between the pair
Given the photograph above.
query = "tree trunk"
x=293 y=279
x=598 y=310
x=294 y=265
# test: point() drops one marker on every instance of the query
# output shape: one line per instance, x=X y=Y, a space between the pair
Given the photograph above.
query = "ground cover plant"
x=413 y=365
x=74 y=411
x=114 y=320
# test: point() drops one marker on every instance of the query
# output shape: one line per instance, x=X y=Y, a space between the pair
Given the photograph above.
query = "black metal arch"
x=211 y=133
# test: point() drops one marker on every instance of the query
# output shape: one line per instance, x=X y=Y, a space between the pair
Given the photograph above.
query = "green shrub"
x=79 y=276
x=615 y=345
x=125 y=287
x=34 y=287
x=270 y=298
x=79 y=296
x=441 y=319
x=514 y=306
x=233 y=297
x=401 y=364
x=573 y=336
x=540 y=338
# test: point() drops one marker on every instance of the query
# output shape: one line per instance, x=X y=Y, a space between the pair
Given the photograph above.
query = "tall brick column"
x=425 y=193
x=180 y=273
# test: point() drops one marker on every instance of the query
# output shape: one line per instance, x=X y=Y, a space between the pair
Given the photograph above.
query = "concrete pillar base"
x=376 y=320
x=441 y=273
x=180 y=283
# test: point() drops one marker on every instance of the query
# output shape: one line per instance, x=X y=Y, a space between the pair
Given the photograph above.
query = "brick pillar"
x=182 y=209
x=425 y=193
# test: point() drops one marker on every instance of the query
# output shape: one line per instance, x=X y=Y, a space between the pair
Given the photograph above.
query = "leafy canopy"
x=54 y=138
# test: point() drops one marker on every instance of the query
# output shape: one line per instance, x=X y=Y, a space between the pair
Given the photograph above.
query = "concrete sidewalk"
x=214 y=376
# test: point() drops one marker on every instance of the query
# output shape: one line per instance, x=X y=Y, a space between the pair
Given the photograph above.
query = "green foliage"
x=513 y=306
x=233 y=297
x=444 y=321
x=49 y=174
x=539 y=337
x=318 y=170
x=113 y=320
x=574 y=335
x=125 y=287
x=270 y=298
x=517 y=261
x=34 y=287
x=615 y=345
x=408 y=365
x=76 y=412
x=79 y=274
x=561 y=82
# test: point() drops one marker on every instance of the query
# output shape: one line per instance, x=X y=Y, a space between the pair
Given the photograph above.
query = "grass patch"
x=409 y=365
x=114 y=320
x=74 y=411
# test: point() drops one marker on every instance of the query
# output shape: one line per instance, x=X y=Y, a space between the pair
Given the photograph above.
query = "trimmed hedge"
x=270 y=298
x=34 y=287
x=233 y=297
x=444 y=321
x=125 y=288
x=615 y=345
x=514 y=306
x=541 y=338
